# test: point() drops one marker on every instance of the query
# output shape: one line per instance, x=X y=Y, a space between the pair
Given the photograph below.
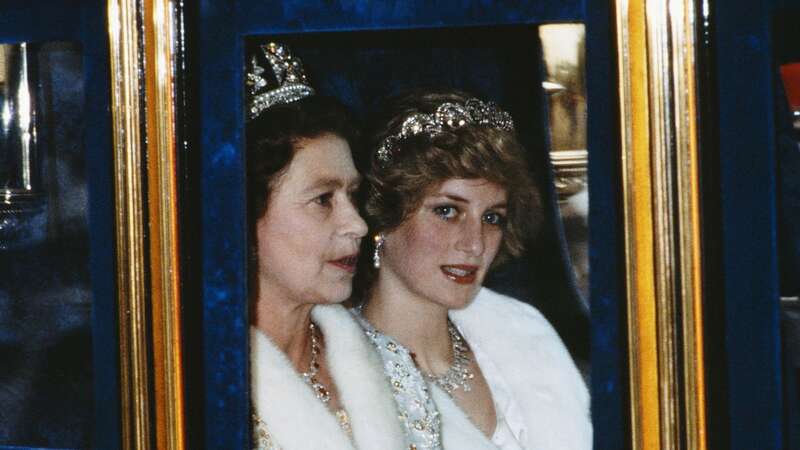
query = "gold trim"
x=690 y=237
x=156 y=29
x=661 y=146
x=638 y=211
x=662 y=234
x=125 y=95
x=160 y=36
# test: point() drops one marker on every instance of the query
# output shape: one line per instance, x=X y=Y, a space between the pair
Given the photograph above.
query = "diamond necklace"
x=310 y=377
x=458 y=374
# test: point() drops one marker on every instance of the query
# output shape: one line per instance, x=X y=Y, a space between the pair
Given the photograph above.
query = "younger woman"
x=449 y=197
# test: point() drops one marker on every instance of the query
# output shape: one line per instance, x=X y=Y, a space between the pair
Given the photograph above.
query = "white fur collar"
x=536 y=367
x=297 y=420
x=458 y=431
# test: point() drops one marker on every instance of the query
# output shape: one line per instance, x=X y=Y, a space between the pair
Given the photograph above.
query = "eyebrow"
x=458 y=198
x=333 y=183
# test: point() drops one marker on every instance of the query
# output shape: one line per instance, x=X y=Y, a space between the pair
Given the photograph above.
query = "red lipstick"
x=348 y=263
x=460 y=273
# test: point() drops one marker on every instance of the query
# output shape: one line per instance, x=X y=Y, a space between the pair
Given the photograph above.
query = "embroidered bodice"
x=416 y=408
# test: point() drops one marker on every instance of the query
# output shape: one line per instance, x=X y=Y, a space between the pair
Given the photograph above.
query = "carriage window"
x=500 y=64
x=564 y=56
x=45 y=294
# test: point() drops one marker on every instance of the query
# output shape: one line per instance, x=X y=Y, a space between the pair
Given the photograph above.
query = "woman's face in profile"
x=444 y=249
x=308 y=239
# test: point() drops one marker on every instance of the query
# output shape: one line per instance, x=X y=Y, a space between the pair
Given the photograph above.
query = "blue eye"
x=446 y=212
x=494 y=218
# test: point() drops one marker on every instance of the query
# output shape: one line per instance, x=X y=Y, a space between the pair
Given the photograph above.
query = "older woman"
x=316 y=381
x=449 y=197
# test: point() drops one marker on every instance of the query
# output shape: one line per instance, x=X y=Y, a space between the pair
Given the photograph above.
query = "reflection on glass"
x=21 y=200
x=563 y=53
x=790 y=73
x=45 y=291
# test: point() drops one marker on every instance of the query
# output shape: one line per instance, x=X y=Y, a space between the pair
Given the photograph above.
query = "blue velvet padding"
x=270 y=17
x=223 y=229
x=748 y=235
x=45 y=20
x=609 y=385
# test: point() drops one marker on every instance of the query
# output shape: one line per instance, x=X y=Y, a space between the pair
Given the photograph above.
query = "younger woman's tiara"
x=447 y=115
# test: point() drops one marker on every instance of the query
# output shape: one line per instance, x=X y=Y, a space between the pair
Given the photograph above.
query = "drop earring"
x=376 y=256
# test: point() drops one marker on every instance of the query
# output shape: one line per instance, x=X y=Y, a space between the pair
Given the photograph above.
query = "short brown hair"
x=277 y=133
x=420 y=163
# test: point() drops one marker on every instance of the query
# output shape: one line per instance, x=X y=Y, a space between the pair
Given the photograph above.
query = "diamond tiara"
x=288 y=74
x=450 y=115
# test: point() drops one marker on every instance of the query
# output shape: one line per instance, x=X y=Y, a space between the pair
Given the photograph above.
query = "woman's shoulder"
x=535 y=365
x=493 y=308
x=517 y=334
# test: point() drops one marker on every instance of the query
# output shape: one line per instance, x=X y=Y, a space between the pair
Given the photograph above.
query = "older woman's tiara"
x=448 y=115
x=287 y=82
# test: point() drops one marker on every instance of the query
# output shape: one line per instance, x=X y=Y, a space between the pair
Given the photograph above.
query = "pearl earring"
x=376 y=256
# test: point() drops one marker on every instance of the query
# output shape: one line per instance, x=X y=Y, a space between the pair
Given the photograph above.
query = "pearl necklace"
x=458 y=374
x=310 y=377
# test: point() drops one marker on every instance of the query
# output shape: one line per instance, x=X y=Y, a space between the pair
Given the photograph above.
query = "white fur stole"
x=536 y=367
x=293 y=415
